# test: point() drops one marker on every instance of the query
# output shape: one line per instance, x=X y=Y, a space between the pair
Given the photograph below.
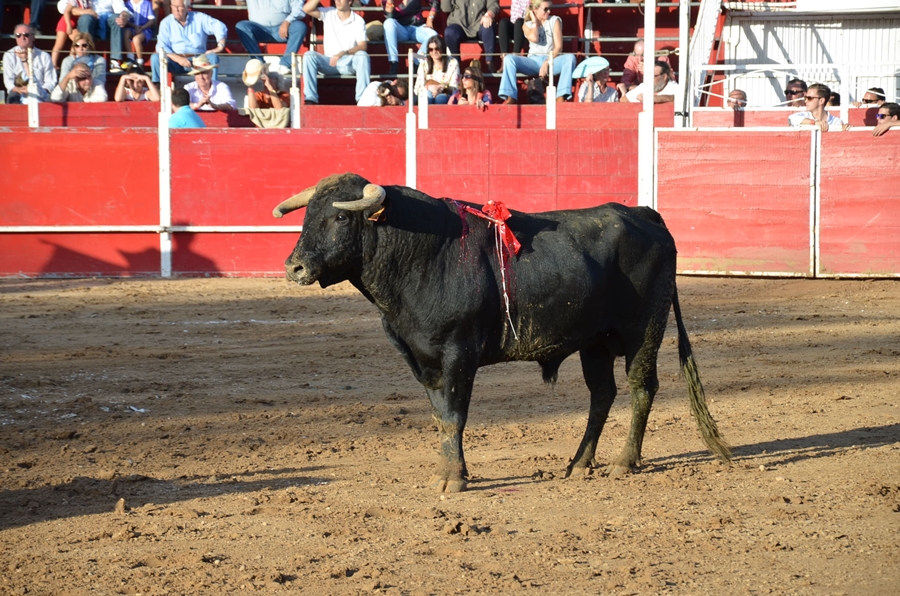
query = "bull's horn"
x=372 y=195
x=294 y=203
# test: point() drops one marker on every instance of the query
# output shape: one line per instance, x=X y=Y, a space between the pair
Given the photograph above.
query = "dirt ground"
x=222 y=436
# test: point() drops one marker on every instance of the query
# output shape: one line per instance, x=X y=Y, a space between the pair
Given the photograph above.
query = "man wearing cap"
x=344 y=48
x=182 y=114
x=206 y=94
x=594 y=87
x=184 y=34
x=78 y=85
x=273 y=94
x=17 y=69
x=278 y=21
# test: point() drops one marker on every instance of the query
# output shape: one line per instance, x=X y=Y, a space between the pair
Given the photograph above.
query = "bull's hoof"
x=619 y=470
x=579 y=471
x=447 y=485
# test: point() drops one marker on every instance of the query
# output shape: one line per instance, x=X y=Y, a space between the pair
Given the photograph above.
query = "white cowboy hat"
x=590 y=66
x=201 y=64
x=253 y=69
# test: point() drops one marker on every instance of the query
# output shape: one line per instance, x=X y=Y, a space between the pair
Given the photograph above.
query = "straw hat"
x=201 y=64
x=590 y=66
x=253 y=69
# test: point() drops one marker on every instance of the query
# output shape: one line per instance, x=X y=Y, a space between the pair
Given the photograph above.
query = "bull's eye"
x=342 y=218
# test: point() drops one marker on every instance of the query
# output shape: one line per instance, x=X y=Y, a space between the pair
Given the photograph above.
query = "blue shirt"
x=190 y=38
x=186 y=118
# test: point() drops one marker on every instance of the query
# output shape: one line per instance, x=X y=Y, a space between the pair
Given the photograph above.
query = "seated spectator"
x=344 y=48
x=595 y=84
x=66 y=26
x=135 y=85
x=139 y=27
x=182 y=114
x=438 y=74
x=888 y=117
x=665 y=90
x=513 y=26
x=834 y=101
x=470 y=20
x=18 y=72
x=633 y=71
x=544 y=35
x=278 y=21
x=105 y=20
x=389 y=93
x=78 y=85
x=403 y=22
x=472 y=91
x=872 y=98
x=737 y=100
x=208 y=95
x=182 y=35
x=274 y=93
x=816 y=98
x=795 y=92
x=82 y=46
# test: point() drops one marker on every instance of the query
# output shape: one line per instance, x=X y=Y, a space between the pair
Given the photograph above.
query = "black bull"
x=596 y=281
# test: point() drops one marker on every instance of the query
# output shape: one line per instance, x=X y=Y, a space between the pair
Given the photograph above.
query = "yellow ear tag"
x=377 y=215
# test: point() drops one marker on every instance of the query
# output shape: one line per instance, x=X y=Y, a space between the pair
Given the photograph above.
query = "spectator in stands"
x=834 y=101
x=18 y=71
x=389 y=93
x=208 y=95
x=403 y=22
x=182 y=114
x=105 y=20
x=544 y=35
x=274 y=93
x=795 y=92
x=872 y=98
x=278 y=21
x=183 y=35
x=438 y=74
x=815 y=115
x=79 y=85
x=633 y=71
x=471 y=19
x=513 y=26
x=344 y=48
x=66 y=26
x=665 y=90
x=139 y=27
x=472 y=91
x=737 y=100
x=594 y=72
x=135 y=85
x=888 y=117
x=82 y=46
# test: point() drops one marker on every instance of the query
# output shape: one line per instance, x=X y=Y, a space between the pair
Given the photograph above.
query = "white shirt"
x=109 y=6
x=834 y=123
x=671 y=88
x=71 y=93
x=340 y=36
x=220 y=95
x=369 y=97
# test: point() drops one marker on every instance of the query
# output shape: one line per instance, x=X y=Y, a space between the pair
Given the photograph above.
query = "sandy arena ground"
x=223 y=436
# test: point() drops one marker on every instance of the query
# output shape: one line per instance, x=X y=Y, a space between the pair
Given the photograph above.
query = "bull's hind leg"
x=643 y=383
x=597 y=366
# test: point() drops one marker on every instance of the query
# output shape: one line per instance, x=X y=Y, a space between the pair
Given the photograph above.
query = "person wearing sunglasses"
x=82 y=46
x=544 y=34
x=472 y=91
x=403 y=22
x=872 y=98
x=794 y=93
x=888 y=117
x=438 y=74
x=816 y=99
x=18 y=69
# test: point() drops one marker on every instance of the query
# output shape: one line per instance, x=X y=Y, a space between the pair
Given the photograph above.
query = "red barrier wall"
x=737 y=201
x=859 y=205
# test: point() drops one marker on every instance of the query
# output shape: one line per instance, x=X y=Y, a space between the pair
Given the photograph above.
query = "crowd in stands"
x=183 y=36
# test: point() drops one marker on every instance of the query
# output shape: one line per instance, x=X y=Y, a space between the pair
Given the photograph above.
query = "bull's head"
x=331 y=247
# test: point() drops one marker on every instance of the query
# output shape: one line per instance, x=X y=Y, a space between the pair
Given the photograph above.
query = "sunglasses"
x=881 y=116
x=434 y=49
x=26 y=35
x=544 y=8
x=870 y=100
x=469 y=77
x=794 y=92
x=809 y=97
x=82 y=45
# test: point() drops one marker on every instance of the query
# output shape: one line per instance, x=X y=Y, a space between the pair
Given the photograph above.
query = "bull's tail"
x=708 y=429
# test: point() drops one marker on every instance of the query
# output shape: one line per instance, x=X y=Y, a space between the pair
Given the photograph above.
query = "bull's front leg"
x=450 y=406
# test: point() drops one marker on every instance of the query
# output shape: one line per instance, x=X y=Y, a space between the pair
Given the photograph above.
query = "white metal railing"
x=702 y=42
